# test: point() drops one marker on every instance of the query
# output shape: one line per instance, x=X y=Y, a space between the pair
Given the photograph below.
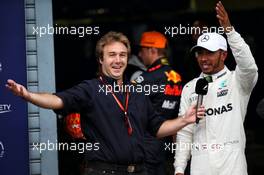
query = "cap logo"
x=205 y=38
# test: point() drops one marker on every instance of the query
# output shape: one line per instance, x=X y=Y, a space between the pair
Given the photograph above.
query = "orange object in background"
x=173 y=76
x=153 y=39
x=73 y=125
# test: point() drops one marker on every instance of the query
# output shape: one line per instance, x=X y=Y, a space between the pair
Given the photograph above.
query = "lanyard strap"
x=124 y=109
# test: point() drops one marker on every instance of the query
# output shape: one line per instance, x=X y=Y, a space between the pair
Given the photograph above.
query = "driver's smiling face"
x=210 y=62
x=114 y=61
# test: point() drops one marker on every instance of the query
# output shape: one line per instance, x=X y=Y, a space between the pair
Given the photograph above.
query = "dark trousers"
x=102 y=168
x=162 y=168
x=156 y=169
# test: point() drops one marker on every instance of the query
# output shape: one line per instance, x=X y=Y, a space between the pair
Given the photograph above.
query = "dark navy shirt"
x=103 y=121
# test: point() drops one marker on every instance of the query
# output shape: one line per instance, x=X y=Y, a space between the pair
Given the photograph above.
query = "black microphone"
x=201 y=89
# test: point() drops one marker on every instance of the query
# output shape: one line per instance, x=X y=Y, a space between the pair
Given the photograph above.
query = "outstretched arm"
x=171 y=127
x=246 y=71
x=44 y=100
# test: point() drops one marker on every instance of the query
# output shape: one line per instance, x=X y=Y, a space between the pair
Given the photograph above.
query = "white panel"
x=32 y=76
x=32 y=60
x=33 y=116
x=32 y=108
x=30 y=14
x=30 y=1
x=34 y=138
x=33 y=88
x=31 y=45
x=46 y=74
x=33 y=122
x=35 y=168
x=34 y=153
x=31 y=29
x=40 y=74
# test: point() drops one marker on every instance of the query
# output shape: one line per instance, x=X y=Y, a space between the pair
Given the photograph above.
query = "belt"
x=131 y=168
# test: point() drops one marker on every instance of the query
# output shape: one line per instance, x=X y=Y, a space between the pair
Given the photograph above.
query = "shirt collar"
x=216 y=75
x=158 y=63
x=112 y=81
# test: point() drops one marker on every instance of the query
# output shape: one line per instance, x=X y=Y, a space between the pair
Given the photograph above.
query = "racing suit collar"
x=216 y=75
x=157 y=64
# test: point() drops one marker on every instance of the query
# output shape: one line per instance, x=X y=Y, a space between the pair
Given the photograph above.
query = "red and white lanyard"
x=123 y=108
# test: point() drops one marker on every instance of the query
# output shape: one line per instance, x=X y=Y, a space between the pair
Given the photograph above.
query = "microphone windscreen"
x=201 y=87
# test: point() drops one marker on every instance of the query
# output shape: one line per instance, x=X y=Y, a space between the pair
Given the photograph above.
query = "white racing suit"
x=217 y=143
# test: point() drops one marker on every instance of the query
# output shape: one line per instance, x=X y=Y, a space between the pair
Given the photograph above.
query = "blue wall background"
x=14 y=147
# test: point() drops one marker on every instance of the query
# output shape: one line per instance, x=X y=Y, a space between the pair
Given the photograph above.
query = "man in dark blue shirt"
x=114 y=116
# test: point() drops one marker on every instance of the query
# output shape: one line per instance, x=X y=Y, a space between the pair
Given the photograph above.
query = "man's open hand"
x=222 y=17
x=17 y=89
